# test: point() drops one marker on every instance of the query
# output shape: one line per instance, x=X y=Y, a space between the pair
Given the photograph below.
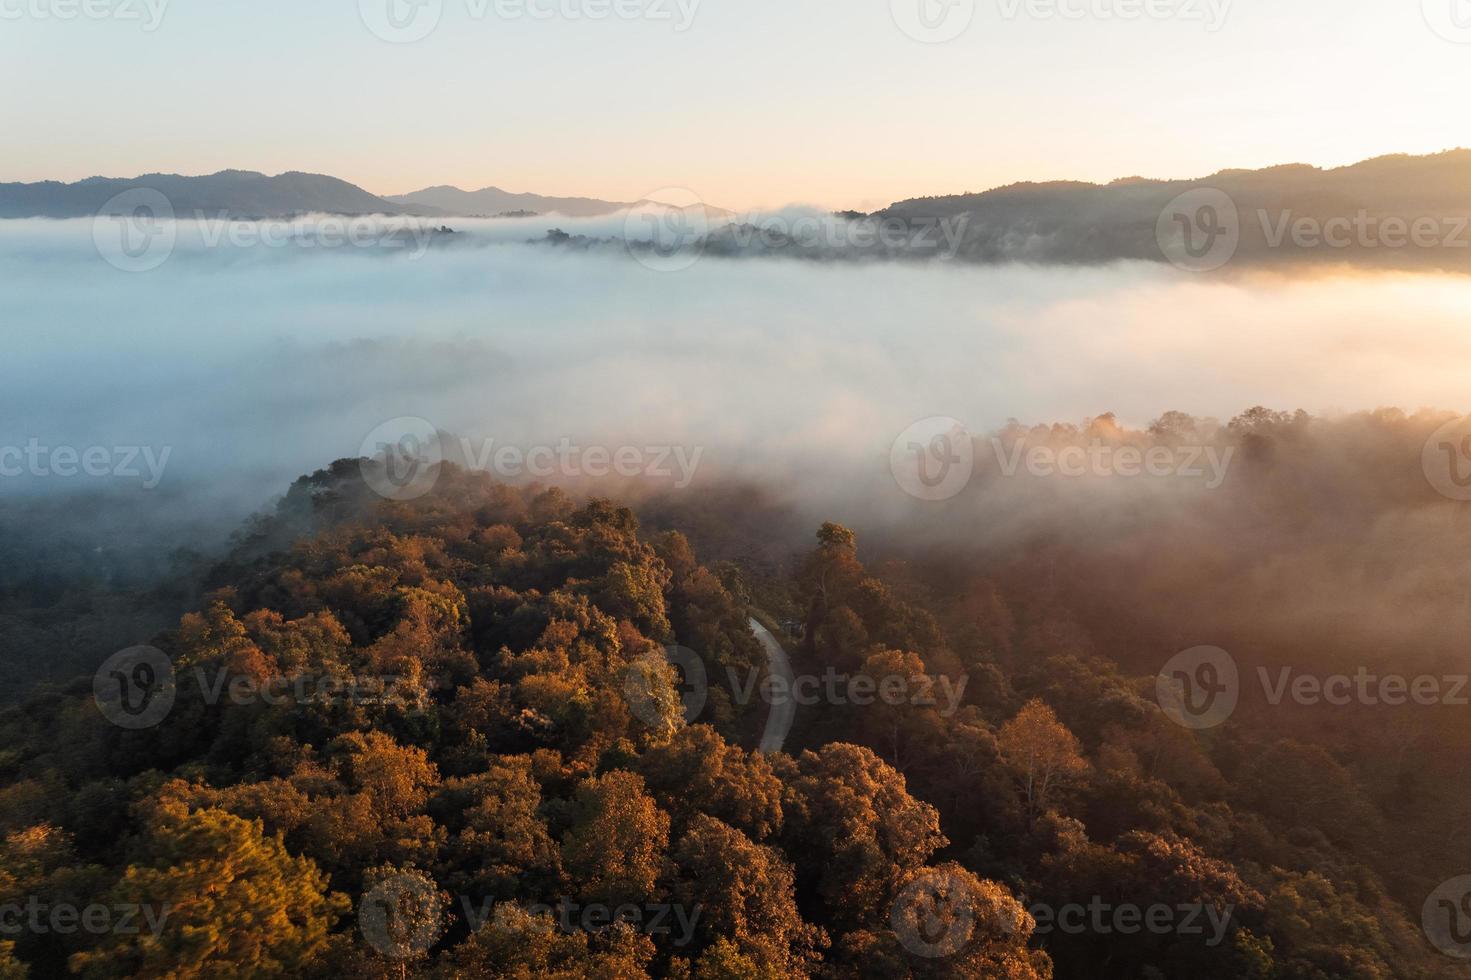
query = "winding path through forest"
x=783 y=707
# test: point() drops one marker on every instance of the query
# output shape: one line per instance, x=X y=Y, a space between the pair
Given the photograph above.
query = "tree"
x=230 y=903
x=745 y=893
x=950 y=923
x=517 y=945
x=395 y=777
x=829 y=573
x=854 y=830
x=698 y=772
x=503 y=840
x=10 y=967
x=615 y=848
x=894 y=724
x=1042 y=751
x=401 y=915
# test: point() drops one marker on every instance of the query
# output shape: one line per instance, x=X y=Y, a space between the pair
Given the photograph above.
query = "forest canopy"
x=452 y=738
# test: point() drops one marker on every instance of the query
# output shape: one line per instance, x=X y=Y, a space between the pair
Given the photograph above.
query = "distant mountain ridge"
x=1368 y=208
x=492 y=201
x=1072 y=222
x=248 y=194
x=1440 y=174
x=236 y=193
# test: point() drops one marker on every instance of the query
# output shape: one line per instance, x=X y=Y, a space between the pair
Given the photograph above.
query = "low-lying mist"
x=237 y=365
x=257 y=363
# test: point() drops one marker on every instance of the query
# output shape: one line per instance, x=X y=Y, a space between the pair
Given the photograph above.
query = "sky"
x=745 y=103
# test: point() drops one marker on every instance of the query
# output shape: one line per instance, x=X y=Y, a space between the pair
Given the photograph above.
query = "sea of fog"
x=253 y=355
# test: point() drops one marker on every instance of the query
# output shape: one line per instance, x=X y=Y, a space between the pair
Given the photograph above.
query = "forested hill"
x=1380 y=199
x=444 y=739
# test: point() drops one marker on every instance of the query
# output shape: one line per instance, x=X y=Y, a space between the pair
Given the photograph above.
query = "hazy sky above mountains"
x=756 y=102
